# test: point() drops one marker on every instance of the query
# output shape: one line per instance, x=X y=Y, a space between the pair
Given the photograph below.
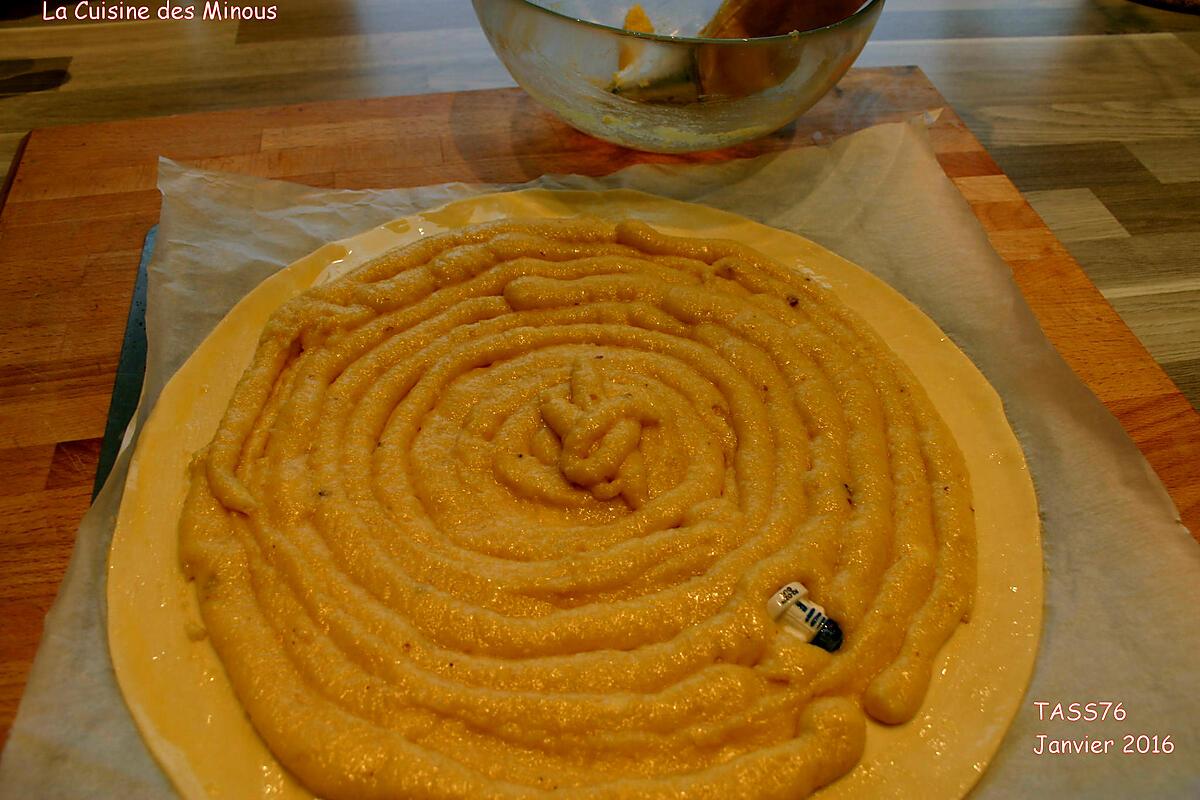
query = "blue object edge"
x=131 y=371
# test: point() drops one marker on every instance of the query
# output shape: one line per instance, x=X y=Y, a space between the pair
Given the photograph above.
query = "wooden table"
x=83 y=198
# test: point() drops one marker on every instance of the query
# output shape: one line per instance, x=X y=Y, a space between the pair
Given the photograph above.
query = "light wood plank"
x=1052 y=69
x=117 y=38
x=1171 y=160
x=988 y=189
x=1076 y=215
x=1168 y=322
x=1072 y=123
x=1033 y=20
x=223 y=60
x=1156 y=259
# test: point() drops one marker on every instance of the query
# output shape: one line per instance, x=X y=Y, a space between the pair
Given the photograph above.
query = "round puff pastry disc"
x=184 y=705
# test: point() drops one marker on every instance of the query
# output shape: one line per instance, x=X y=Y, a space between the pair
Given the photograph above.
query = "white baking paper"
x=1122 y=574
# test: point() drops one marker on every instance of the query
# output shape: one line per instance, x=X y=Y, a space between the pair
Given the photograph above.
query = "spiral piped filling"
x=498 y=514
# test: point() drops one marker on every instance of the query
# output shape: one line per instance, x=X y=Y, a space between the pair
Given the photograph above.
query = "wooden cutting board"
x=83 y=197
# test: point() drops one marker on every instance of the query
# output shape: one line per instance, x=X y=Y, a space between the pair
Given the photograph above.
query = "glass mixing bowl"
x=664 y=93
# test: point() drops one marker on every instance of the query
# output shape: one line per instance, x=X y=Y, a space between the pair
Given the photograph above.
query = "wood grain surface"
x=1094 y=104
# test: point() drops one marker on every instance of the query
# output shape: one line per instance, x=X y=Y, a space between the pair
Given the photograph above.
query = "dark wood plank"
x=74 y=464
x=1154 y=207
x=1070 y=166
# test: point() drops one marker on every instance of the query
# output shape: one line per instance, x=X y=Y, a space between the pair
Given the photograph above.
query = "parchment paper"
x=1123 y=575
